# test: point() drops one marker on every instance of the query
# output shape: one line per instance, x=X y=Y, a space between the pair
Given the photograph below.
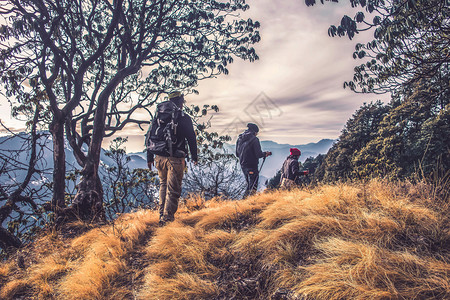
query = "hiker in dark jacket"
x=248 y=150
x=171 y=168
x=290 y=170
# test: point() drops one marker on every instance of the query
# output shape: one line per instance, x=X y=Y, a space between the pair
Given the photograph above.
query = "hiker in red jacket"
x=248 y=150
x=290 y=170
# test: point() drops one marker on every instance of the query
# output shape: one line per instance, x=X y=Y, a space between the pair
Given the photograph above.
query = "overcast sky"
x=294 y=91
x=301 y=72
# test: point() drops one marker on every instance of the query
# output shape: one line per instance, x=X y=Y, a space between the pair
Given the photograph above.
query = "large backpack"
x=161 y=136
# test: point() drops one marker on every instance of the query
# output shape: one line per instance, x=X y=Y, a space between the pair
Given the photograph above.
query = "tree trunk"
x=8 y=240
x=88 y=202
x=59 y=169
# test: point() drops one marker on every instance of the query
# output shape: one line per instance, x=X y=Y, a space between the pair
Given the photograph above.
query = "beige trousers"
x=170 y=172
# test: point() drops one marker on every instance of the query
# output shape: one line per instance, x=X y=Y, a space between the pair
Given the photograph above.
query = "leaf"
x=377 y=20
x=332 y=31
x=359 y=17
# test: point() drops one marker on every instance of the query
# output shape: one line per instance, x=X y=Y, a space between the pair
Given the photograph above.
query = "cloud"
x=301 y=69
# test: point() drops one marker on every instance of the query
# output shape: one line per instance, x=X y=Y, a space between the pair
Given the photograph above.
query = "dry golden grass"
x=85 y=267
x=184 y=286
x=352 y=270
x=4 y=270
x=363 y=241
x=103 y=257
x=13 y=288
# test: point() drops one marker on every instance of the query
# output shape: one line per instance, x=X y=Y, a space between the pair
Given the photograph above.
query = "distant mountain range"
x=138 y=160
x=280 y=151
x=271 y=165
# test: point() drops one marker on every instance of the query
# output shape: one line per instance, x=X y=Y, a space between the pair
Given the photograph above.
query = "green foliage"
x=413 y=136
x=274 y=182
x=397 y=141
x=410 y=43
x=359 y=130
x=409 y=58
x=312 y=164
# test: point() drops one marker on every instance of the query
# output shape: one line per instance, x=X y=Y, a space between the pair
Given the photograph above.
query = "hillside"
x=373 y=241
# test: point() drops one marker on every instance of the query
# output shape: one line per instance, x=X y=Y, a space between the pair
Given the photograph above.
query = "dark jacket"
x=290 y=169
x=248 y=150
x=185 y=131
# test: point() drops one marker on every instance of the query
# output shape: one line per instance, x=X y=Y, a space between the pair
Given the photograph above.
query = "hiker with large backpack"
x=248 y=150
x=291 y=170
x=166 y=149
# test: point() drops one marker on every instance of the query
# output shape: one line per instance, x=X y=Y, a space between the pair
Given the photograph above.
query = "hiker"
x=166 y=149
x=248 y=150
x=290 y=170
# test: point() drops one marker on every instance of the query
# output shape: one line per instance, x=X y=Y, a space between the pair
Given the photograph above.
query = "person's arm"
x=257 y=149
x=191 y=138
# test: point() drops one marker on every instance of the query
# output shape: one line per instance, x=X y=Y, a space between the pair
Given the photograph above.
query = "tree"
x=274 y=182
x=410 y=43
x=406 y=138
x=102 y=62
x=408 y=57
x=360 y=129
x=312 y=164
x=217 y=174
x=126 y=189
x=412 y=138
x=21 y=163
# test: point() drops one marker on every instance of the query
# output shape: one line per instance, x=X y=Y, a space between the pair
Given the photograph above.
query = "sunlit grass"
x=376 y=240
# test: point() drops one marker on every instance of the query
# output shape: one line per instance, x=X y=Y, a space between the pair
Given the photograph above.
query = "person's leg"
x=247 y=179
x=161 y=165
x=175 y=174
x=253 y=177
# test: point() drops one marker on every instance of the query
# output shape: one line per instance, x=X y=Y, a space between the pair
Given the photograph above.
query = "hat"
x=295 y=151
x=175 y=94
x=253 y=127
x=177 y=98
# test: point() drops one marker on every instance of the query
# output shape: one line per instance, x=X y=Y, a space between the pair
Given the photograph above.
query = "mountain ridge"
x=139 y=160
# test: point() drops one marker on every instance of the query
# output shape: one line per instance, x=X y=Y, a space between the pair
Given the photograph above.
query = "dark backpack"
x=161 y=136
